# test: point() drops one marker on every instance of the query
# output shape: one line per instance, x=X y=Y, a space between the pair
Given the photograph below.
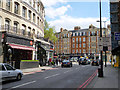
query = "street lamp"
x=100 y=70
x=105 y=37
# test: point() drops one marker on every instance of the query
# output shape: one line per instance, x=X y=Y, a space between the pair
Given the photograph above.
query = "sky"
x=67 y=14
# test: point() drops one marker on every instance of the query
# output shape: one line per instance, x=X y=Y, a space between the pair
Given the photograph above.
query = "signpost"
x=117 y=36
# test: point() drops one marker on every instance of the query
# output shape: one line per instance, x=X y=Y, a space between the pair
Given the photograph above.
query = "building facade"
x=84 y=42
x=22 y=26
x=115 y=29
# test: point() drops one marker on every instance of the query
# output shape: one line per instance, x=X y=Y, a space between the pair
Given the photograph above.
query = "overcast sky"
x=70 y=13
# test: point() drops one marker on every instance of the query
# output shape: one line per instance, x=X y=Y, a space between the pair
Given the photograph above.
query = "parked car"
x=66 y=63
x=8 y=72
x=95 y=63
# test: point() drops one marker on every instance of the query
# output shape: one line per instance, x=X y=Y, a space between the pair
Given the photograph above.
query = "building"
x=63 y=44
x=115 y=29
x=22 y=26
x=84 y=42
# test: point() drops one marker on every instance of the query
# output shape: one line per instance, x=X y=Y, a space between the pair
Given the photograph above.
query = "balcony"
x=16 y=31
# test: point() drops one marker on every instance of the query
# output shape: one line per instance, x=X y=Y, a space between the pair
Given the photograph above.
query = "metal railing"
x=16 y=31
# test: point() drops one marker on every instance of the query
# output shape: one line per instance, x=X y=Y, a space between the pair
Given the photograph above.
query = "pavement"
x=41 y=68
x=110 y=78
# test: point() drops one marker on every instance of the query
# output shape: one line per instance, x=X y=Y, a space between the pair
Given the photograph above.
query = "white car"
x=7 y=72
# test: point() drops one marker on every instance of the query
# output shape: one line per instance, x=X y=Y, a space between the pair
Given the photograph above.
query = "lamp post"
x=101 y=70
x=105 y=36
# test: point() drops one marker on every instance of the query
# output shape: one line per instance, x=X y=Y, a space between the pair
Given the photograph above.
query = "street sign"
x=106 y=41
x=100 y=41
x=117 y=36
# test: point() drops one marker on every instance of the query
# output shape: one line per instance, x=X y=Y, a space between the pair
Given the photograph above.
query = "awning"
x=22 y=47
x=42 y=41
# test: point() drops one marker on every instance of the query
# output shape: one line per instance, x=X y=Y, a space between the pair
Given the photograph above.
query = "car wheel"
x=19 y=76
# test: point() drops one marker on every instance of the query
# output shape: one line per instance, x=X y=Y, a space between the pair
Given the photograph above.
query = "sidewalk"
x=110 y=79
x=42 y=68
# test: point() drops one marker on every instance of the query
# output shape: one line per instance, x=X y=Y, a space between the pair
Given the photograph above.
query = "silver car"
x=7 y=72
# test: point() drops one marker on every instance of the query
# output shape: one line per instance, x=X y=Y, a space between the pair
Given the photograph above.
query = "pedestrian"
x=114 y=61
x=56 y=61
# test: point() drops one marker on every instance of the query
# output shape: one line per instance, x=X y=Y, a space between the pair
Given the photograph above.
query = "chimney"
x=77 y=28
x=61 y=29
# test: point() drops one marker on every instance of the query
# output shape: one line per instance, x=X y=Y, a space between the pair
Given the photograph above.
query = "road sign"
x=117 y=36
x=106 y=41
x=100 y=41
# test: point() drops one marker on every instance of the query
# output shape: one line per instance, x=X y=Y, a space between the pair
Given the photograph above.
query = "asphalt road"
x=66 y=77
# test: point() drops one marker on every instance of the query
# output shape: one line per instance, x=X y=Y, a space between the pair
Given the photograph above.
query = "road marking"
x=67 y=71
x=23 y=84
x=51 y=76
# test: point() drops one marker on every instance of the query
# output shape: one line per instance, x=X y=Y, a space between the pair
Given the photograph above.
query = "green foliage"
x=29 y=60
x=49 y=32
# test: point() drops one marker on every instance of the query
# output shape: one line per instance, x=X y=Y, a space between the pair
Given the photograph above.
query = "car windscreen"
x=66 y=61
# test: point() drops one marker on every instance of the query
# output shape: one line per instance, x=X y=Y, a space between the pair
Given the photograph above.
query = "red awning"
x=21 y=47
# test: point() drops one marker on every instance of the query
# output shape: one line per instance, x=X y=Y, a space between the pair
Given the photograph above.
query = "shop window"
x=8 y=4
x=16 y=8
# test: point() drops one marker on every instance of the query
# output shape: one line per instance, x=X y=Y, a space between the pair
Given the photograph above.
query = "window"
x=89 y=33
x=84 y=33
x=80 y=33
x=34 y=3
x=80 y=50
x=8 y=67
x=80 y=46
x=83 y=45
x=29 y=31
x=76 y=39
x=84 y=39
x=76 y=45
x=84 y=51
x=38 y=7
x=30 y=2
x=89 y=39
x=73 y=51
x=73 y=34
x=29 y=15
x=80 y=39
x=8 y=4
x=15 y=27
x=2 y=68
x=76 y=33
x=77 y=51
x=33 y=17
x=23 y=29
x=73 y=45
x=24 y=12
x=68 y=34
x=73 y=39
x=16 y=8
x=7 y=25
x=37 y=20
x=0 y=3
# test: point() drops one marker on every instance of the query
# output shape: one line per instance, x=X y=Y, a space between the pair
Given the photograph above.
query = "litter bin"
x=100 y=73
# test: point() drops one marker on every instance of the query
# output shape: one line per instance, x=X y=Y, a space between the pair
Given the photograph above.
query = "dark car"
x=95 y=63
x=83 y=61
x=66 y=63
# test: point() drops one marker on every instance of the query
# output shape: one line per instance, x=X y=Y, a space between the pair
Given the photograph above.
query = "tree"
x=49 y=32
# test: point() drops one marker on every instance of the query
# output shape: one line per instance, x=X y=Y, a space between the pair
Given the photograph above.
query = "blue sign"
x=117 y=36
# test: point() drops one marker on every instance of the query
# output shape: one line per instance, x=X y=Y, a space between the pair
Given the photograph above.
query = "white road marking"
x=24 y=84
x=67 y=71
x=51 y=76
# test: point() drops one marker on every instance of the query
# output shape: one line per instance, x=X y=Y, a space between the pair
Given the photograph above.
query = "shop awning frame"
x=16 y=46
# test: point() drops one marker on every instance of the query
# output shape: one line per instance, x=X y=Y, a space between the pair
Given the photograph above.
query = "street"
x=59 y=77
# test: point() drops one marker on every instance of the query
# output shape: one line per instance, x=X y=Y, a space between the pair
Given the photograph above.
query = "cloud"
x=52 y=12
x=68 y=22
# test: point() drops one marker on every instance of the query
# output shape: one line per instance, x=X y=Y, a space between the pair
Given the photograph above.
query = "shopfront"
x=16 y=49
